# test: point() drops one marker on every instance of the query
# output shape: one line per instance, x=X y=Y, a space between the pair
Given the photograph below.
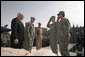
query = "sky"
x=42 y=11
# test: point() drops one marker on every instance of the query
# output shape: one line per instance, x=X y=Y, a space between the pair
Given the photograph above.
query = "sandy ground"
x=22 y=52
x=7 y=51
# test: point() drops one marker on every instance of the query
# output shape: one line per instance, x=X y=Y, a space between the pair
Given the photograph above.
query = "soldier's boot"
x=57 y=54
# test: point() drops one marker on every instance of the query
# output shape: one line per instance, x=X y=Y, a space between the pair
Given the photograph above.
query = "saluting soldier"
x=52 y=37
x=62 y=33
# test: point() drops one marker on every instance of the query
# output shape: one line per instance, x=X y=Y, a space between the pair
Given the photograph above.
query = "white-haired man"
x=17 y=35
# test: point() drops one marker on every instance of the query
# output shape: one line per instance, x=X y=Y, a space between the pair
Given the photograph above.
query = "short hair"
x=39 y=23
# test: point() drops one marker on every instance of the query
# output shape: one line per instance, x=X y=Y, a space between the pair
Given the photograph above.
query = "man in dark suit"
x=17 y=35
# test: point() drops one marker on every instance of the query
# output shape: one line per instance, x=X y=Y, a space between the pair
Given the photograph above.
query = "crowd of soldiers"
x=5 y=39
x=5 y=36
x=77 y=38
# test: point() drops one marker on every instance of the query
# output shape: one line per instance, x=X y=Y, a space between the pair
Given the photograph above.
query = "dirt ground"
x=22 y=52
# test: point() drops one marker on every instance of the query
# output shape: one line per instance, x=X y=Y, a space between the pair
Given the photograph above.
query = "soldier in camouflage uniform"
x=62 y=33
x=52 y=37
x=30 y=33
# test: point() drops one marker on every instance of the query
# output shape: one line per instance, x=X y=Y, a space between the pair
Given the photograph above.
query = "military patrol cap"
x=32 y=18
x=61 y=12
x=52 y=16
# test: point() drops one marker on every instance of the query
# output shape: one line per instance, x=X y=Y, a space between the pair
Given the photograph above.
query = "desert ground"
x=46 y=51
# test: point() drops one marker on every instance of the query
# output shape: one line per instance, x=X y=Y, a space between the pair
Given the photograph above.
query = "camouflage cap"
x=32 y=18
x=61 y=12
x=52 y=16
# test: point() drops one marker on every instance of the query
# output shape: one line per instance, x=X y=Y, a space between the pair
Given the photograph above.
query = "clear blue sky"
x=42 y=11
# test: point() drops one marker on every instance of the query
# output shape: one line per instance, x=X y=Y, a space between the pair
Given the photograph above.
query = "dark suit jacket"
x=17 y=29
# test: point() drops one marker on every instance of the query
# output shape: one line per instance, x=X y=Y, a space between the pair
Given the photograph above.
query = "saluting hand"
x=50 y=20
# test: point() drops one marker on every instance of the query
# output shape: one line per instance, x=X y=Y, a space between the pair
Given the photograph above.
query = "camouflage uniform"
x=5 y=39
x=30 y=31
x=62 y=34
x=52 y=37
